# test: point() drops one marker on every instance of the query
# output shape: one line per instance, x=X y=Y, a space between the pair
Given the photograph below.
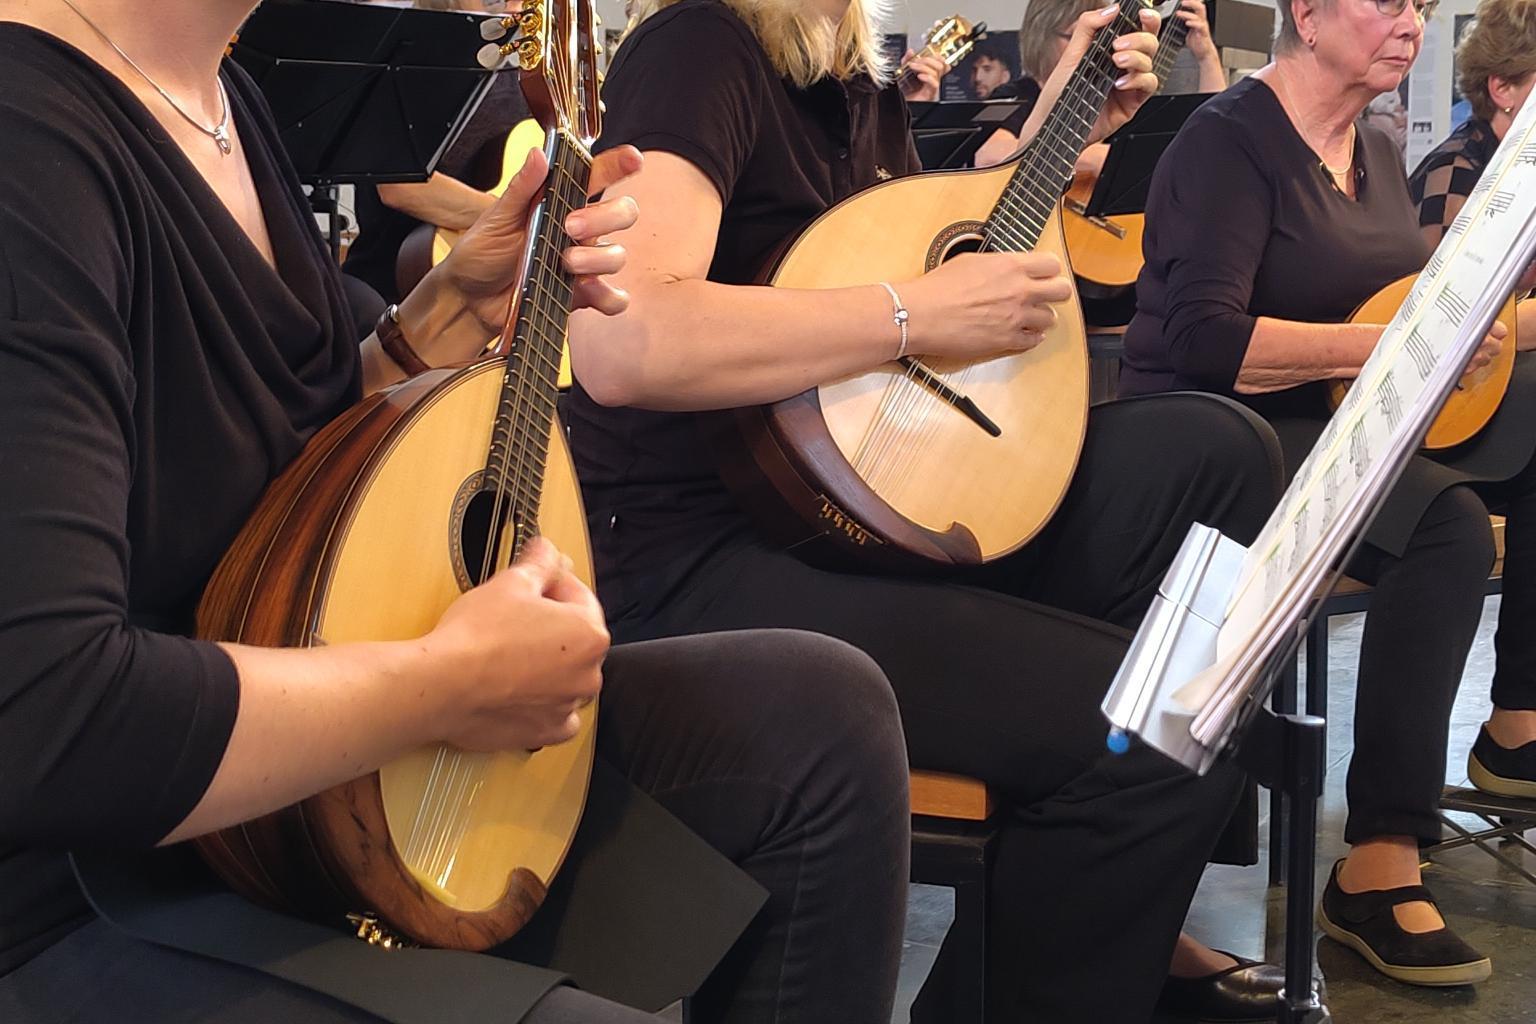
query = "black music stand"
x=1134 y=151
x=363 y=93
x=949 y=134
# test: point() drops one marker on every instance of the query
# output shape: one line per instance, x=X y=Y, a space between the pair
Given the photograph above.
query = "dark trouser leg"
x=1514 y=678
x=1423 y=618
x=783 y=750
x=1008 y=691
x=1150 y=468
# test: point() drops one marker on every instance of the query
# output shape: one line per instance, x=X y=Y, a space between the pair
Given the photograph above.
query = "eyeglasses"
x=1425 y=9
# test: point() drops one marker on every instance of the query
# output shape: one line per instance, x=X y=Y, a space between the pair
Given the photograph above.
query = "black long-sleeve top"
x=1243 y=222
x=155 y=374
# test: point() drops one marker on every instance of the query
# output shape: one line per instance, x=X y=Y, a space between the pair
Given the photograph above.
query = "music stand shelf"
x=363 y=94
x=948 y=134
x=1134 y=151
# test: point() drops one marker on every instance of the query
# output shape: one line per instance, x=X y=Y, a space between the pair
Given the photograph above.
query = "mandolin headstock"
x=555 y=45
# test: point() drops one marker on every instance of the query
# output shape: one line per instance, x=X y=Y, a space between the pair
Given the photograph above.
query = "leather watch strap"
x=392 y=341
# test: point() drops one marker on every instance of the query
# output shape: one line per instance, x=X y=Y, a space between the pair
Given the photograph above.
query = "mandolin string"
x=533 y=412
x=893 y=464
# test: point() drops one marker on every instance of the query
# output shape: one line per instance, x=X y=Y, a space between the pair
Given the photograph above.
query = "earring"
x=1509 y=110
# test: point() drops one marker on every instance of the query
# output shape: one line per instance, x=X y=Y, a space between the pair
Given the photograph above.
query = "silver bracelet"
x=898 y=316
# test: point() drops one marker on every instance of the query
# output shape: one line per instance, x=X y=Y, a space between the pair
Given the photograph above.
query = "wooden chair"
x=953 y=834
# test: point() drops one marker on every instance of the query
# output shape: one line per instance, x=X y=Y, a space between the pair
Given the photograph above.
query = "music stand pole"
x=1286 y=752
x=325 y=197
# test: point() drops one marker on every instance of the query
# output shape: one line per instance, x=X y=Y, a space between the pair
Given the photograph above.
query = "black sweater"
x=155 y=375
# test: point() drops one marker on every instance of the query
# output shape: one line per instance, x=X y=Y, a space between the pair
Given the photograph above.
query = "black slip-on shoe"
x=1501 y=771
x=1364 y=922
x=1248 y=991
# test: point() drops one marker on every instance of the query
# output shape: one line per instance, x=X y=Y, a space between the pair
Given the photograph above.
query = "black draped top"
x=1243 y=222
x=155 y=373
x=692 y=80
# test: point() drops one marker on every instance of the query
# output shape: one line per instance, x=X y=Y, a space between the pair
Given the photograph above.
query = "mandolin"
x=409 y=499
x=1475 y=399
x=1106 y=251
x=428 y=245
x=927 y=461
x=948 y=39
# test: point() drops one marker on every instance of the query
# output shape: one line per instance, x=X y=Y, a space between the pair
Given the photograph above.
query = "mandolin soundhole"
x=472 y=533
x=961 y=237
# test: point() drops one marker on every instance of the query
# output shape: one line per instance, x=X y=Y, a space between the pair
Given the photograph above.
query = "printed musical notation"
x=1382 y=419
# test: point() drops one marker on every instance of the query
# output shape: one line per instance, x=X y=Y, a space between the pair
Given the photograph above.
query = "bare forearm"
x=312 y=719
x=1284 y=353
x=692 y=344
x=1213 y=77
x=440 y=200
x=440 y=327
x=1000 y=145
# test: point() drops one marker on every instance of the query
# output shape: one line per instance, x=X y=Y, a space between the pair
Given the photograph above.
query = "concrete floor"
x=1489 y=905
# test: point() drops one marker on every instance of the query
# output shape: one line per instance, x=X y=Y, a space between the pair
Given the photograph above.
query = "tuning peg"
x=496 y=28
x=492 y=55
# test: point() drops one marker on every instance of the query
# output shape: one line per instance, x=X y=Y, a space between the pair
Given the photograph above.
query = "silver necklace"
x=219 y=133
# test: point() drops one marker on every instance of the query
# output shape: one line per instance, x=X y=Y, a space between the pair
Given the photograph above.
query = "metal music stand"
x=1134 y=150
x=948 y=135
x=363 y=93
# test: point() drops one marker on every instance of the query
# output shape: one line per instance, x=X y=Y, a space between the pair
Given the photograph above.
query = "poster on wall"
x=1389 y=112
x=994 y=62
x=1425 y=127
x=1461 y=107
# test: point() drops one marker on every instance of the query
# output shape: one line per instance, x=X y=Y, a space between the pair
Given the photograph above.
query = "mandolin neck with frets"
x=520 y=435
x=1169 y=45
x=1031 y=196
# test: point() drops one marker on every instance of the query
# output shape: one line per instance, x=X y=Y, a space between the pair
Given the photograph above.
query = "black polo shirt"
x=693 y=80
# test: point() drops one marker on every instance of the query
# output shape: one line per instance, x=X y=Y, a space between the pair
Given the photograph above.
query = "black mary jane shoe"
x=1364 y=922
x=1247 y=991
x=1500 y=770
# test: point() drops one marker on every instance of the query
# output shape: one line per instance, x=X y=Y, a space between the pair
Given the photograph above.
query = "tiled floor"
x=1492 y=907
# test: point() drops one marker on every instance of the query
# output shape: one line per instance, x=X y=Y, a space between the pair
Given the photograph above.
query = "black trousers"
x=1424 y=613
x=1000 y=675
x=781 y=749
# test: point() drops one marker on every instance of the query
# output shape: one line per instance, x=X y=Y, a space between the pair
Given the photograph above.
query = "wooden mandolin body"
x=875 y=463
x=362 y=539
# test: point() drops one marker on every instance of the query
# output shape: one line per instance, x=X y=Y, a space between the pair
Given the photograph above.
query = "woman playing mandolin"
x=999 y=672
x=172 y=332
x=1273 y=216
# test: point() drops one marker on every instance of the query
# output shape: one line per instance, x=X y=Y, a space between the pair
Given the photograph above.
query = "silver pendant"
x=221 y=136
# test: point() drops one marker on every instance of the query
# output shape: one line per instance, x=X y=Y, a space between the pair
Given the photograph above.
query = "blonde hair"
x=1038 y=33
x=1502 y=42
x=803 y=46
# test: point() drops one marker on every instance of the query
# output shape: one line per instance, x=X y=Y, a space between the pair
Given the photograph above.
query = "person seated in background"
x=1495 y=69
x=455 y=195
x=157 y=373
x=1000 y=671
x=1043 y=35
x=1273 y=215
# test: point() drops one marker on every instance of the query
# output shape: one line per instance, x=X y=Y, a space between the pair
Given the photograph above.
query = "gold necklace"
x=1337 y=172
x=219 y=133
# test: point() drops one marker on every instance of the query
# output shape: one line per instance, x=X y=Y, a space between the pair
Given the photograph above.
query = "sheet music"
x=1385 y=414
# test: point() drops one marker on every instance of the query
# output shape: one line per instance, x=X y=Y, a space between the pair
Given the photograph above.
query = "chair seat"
x=941 y=795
